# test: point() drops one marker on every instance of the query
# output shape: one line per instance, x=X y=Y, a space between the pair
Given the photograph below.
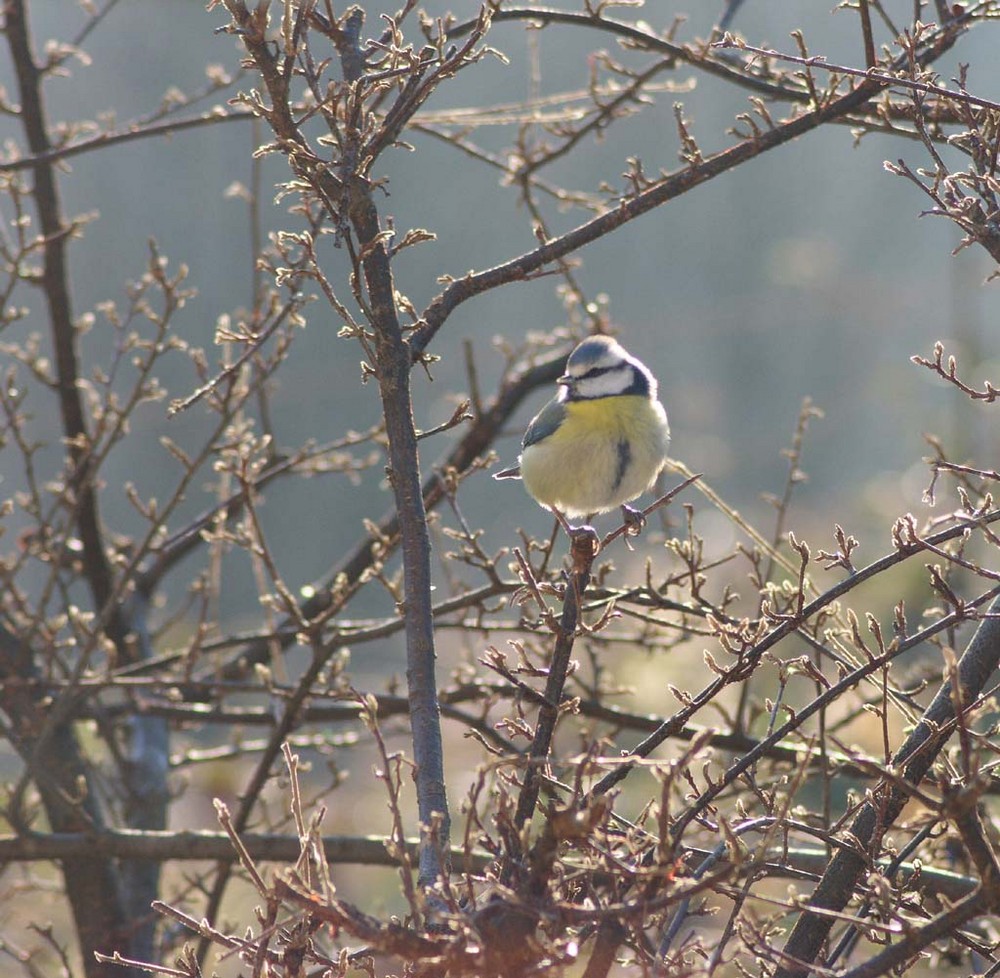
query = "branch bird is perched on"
x=601 y=441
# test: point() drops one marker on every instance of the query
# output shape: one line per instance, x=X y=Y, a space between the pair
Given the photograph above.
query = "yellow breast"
x=606 y=452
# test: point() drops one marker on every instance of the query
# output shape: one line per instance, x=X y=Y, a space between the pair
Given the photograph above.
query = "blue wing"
x=544 y=423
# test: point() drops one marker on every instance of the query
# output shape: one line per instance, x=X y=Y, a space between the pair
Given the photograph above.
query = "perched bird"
x=601 y=441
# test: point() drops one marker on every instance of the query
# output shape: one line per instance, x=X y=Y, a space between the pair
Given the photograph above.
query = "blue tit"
x=601 y=441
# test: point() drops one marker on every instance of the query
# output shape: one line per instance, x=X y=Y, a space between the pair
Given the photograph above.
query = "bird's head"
x=602 y=367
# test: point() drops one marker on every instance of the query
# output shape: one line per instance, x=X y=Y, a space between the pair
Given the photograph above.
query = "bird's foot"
x=582 y=532
x=635 y=522
x=584 y=545
x=583 y=537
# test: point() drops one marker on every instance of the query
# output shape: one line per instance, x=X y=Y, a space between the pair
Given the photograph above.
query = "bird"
x=601 y=441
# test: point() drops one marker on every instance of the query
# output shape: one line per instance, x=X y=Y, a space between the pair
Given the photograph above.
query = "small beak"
x=565 y=380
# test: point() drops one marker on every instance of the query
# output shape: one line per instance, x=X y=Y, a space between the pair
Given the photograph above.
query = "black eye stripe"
x=641 y=384
x=598 y=371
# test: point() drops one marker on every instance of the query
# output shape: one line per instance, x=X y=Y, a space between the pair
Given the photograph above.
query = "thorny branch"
x=554 y=867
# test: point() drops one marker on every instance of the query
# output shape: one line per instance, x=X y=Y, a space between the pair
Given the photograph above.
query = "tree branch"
x=913 y=760
x=55 y=285
x=660 y=192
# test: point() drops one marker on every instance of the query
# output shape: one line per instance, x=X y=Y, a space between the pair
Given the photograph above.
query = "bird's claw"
x=584 y=544
x=634 y=520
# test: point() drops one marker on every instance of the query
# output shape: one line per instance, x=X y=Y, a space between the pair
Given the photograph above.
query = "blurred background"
x=807 y=273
